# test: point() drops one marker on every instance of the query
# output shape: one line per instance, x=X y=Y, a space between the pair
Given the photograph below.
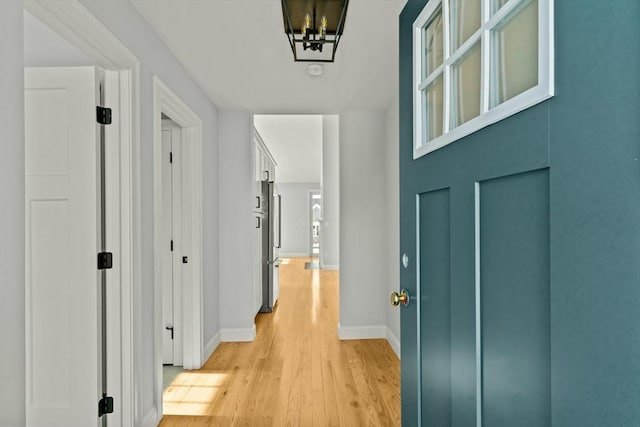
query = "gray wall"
x=236 y=221
x=295 y=217
x=393 y=221
x=12 y=350
x=330 y=182
x=363 y=213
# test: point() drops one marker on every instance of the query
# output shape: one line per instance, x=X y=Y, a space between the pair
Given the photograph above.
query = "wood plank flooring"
x=296 y=373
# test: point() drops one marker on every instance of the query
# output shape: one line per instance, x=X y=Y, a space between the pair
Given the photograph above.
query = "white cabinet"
x=264 y=168
x=264 y=165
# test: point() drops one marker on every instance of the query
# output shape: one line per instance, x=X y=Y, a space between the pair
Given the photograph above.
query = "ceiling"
x=295 y=142
x=239 y=54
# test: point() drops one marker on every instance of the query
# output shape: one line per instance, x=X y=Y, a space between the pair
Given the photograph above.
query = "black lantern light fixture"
x=314 y=28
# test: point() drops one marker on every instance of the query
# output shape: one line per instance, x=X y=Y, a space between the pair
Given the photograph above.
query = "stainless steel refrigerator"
x=271 y=236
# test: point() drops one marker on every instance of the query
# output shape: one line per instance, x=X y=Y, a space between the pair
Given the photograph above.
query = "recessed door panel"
x=48 y=223
x=435 y=307
x=514 y=294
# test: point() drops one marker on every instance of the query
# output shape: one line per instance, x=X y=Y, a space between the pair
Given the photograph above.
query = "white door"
x=62 y=382
x=172 y=254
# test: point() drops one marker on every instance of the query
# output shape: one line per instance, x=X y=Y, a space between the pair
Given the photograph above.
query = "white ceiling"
x=295 y=142
x=239 y=54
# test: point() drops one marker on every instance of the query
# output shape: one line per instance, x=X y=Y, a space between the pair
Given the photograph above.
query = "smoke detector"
x=315 y=69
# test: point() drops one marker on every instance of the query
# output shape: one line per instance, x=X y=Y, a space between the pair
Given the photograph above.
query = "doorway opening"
x=172 y=332
x=177 y=175
x=307 y=152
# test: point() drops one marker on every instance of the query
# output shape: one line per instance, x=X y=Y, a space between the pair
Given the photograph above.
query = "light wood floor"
x=296 y=373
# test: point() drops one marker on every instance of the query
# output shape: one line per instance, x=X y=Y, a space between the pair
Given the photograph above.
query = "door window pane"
x=478 y=62
x=515 y=54
x=466 y=87
x=465 y=20
x=433 y=45
x=432 y=106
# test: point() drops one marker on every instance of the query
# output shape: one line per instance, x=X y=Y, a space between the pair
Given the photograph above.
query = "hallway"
x=296 y=372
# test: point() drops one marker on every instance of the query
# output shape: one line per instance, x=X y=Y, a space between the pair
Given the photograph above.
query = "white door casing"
x=165 y=101
x=62 y=376
x=116 y=85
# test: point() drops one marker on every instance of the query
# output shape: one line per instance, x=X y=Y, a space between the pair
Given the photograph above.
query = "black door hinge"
x=105 y=406
x=103 y=115
x=170 y=157
x=105 y=260
x=172 y=246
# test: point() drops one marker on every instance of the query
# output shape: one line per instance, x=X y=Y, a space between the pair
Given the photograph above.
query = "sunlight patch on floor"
x=191 y=393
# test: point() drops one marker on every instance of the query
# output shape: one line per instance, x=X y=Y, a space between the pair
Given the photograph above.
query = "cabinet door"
x=257 y=261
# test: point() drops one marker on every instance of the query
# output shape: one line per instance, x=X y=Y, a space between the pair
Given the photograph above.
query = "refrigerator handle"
x=279 y=221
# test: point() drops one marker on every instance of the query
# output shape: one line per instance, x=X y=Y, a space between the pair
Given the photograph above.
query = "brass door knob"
x=399 y=298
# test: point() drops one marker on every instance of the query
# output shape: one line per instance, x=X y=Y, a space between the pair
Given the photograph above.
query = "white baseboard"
x=330 y=267
x=394 y=342
x=211 y=346
x=361 y=332
x=151 y=419
x=238 y=334
x=293 y=255
x=370 y=332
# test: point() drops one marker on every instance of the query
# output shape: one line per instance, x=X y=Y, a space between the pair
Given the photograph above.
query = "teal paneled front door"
x=523 y=245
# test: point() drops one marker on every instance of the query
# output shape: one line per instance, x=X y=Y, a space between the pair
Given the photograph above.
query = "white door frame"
x=72 y=21
x=165 y=101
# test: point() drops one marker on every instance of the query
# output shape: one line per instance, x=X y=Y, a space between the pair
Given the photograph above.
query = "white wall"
x=12 y=350
x=393 y=222
x=43 y=47
x=363 y=219
x=235 y=182
x=330 y=181
x=295 y=218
